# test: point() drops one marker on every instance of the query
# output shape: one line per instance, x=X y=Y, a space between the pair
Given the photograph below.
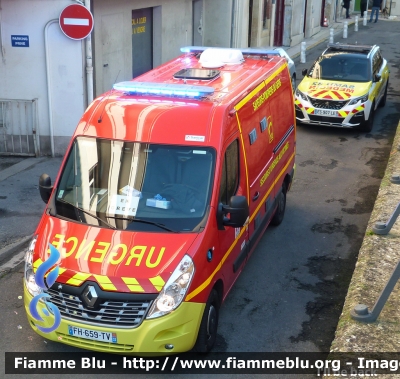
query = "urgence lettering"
x=93 y=251
x=266 y=94
x=273 y=164
x=330 y=88
x=320 y=85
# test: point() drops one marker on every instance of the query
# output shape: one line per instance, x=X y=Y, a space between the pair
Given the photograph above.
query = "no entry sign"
x=76 y=21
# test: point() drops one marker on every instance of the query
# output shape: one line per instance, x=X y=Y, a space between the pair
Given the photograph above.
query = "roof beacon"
x=164 y=89
x=215 y=57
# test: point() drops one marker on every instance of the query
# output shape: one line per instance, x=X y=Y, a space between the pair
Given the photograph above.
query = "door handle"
x=256 y=196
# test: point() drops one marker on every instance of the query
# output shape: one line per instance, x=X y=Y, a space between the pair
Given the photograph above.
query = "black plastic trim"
x=284 y=138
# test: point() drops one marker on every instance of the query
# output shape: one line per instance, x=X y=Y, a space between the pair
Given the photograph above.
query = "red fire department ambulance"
x=168 y=184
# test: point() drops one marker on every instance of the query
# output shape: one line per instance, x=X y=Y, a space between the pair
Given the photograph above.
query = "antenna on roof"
x=108 y=95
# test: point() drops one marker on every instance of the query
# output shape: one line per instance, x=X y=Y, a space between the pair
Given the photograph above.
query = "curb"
x=321 y=40
x=14 y=248
x=18 y=167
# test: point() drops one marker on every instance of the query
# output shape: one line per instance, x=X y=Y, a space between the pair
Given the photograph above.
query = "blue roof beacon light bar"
x=164 y=89
x=246 y=51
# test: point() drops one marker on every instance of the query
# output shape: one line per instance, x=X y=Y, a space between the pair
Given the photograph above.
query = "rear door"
x=266 y=120
x=256 y=126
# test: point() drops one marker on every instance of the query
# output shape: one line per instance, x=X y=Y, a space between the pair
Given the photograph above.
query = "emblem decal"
x=90 y=296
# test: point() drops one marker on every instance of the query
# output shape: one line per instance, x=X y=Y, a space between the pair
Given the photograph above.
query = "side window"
x=230 y=173
x=379 y=60
x=376 y=62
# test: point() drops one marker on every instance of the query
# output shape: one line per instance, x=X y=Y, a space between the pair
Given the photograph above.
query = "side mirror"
x=304 y=72
x=238 y=211
x=45 y=187
x=377 y=77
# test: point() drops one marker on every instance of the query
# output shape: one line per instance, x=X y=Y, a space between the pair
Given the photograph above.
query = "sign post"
x=76 y=21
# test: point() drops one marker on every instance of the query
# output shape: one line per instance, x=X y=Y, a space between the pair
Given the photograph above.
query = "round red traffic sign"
x=76 y=21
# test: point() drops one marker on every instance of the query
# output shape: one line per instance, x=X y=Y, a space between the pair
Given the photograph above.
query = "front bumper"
x=347 y=117
x=179 y=328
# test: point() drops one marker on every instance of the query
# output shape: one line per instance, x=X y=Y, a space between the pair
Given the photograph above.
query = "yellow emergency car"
x=343 y=88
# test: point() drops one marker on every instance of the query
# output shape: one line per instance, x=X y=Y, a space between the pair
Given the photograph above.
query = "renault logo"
x=90 y=296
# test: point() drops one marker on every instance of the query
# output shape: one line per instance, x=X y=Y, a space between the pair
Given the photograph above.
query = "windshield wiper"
x=162 y=226
x=87 y=212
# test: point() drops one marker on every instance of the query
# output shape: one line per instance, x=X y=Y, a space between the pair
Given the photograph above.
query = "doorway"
x=279 y=22
x=142 y=41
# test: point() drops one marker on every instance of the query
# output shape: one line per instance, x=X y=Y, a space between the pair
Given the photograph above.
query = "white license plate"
x=325 y=112
x=92 y=334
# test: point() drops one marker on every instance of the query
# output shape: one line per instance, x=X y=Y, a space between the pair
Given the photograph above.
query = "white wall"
x=240 y=24
x=297 y=22
x=217 y=23
x=313 y=18
x=172 y=28
x=23 y=69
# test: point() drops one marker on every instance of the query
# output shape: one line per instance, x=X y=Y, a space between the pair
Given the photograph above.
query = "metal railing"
x=18 y=127
x=361 y=312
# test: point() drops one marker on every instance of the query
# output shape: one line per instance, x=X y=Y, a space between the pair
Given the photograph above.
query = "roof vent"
x=217 y=57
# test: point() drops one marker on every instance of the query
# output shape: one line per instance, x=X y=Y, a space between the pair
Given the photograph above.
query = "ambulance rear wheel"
x=209 y=324
x=280 y=210
x=368 y=125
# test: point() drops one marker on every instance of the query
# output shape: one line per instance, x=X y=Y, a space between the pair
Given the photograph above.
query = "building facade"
x=47 y=79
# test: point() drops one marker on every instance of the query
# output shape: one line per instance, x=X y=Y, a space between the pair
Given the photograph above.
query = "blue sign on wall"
x=19 y=41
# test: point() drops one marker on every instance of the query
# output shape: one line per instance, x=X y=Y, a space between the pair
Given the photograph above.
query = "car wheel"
x=293 y=83
x=209 y=324
x=383 y=100
x=280 y=209
x=367 y=126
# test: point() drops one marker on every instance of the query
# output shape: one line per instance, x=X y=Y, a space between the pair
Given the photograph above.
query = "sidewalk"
x=20 y=204
x=322 y=36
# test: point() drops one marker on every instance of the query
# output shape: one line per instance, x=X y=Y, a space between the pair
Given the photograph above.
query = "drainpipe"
x=233 y=22
x=49 y=84
x=272 y=31
x=89 y=63
x=2 y=49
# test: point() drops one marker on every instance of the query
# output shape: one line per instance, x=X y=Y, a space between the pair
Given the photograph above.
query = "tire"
x=382 y=103
x=209 y=324
x=367 y=126
x=280 y=209
x=293 y=83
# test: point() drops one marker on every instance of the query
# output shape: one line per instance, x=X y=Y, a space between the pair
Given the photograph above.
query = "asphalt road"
x=290 y=294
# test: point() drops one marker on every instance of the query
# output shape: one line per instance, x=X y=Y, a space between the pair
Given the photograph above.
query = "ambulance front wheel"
x=280 y=209
x=209 y=324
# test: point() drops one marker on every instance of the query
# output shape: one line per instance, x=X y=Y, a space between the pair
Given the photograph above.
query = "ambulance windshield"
x=136 y=186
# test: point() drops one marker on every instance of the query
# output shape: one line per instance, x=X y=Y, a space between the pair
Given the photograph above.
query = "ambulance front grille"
x=327 y=104
x=119 y=314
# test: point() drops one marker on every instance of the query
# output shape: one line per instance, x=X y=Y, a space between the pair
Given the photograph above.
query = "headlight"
x=29 y=277
x=362 y=98
x=174 y=291
x=301 y=94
